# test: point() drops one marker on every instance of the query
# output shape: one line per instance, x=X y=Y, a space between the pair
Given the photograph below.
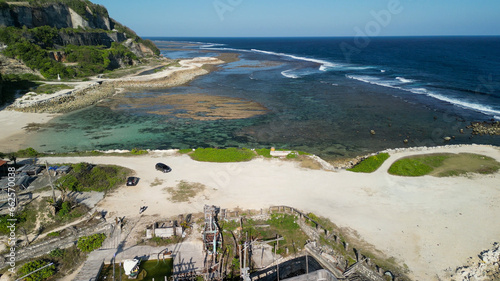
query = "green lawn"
x=370 y=164
x=444 y=165
x=222 y=155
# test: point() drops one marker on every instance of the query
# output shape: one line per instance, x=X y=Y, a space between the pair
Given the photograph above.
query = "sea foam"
x=423 y=91
x=288 y=74
x=325 y=65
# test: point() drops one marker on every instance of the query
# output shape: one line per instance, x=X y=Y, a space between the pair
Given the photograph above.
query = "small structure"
x=3 y=167
x=23 y=180
x=63 y=170
x=30 y=170
x=279 y=153
x=163 y=230
x=131 y=268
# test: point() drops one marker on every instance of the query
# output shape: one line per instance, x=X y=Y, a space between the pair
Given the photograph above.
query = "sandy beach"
x=13 y=133
x=429 y=224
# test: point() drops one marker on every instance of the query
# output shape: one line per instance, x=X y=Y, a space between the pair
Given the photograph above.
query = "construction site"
x=279 y=243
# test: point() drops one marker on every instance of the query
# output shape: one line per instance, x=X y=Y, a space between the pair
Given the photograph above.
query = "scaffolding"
x=211 y=232
x=212 y=242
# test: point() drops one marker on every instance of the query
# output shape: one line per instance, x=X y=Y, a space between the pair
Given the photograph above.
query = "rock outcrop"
x=89 y=38
x=485 y=267
x=13 y=66
x=56 y=15
x=485 y=128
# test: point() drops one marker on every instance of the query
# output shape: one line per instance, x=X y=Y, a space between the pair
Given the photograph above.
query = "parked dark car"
x=132 y=181
x=162 y=167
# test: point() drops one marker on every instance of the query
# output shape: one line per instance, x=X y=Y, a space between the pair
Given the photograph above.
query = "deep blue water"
x=462 y=71
x=324 y=96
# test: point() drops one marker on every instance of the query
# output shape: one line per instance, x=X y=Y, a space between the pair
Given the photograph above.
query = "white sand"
x=184 y=65
x=430 y=224
x=12 y=133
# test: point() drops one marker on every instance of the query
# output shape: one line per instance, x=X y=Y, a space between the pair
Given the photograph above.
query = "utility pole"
x=51 y=183
x=277 y=264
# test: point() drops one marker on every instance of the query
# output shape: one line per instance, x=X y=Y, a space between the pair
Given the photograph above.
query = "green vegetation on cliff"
x=97 y=49
x=90 y=60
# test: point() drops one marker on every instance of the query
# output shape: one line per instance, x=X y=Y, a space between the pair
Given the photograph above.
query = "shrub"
x=266 y=152
x=56 y=253
x=185 y=150
x=136 y=151
x=54 y=234
x=39 y=275
x=370 y=164
x=65 y=209
x=28 y=152
x=90 y=243
x=85 y=177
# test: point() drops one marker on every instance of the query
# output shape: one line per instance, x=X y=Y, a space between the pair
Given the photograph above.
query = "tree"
x=90 y=243
x=13 y=157
x=39 y=275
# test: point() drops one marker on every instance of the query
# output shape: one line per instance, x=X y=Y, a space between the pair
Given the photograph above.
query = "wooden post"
x=277 y=264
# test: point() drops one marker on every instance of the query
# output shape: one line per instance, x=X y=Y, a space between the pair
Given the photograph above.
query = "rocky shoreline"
x=77 y=99
x=485 y=128
x=95 y=92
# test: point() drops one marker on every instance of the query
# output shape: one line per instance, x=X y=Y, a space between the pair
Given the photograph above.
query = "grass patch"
x=465 y=163
x=284 y=225
x=185 y=150
x=222 y=155
x=51 y=88
x=370 y=164
x=444 y=165
x=185 y=191
x=266 y=152
x=156 y=182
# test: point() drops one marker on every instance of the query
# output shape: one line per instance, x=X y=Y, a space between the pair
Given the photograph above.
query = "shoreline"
x=15 y=118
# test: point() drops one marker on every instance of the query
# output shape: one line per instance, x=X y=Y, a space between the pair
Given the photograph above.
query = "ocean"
x=334 y=97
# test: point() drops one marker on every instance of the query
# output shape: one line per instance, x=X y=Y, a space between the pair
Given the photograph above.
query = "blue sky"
x=241 y=18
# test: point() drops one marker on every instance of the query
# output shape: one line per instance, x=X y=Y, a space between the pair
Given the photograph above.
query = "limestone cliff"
x=58 y=15
x=48 y=28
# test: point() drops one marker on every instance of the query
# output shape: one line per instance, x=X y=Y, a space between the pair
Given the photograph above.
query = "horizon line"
x=318 y=36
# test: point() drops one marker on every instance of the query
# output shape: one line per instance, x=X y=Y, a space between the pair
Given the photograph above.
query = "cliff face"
x=89 y=39
x=55 y=15
x=45 y=33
